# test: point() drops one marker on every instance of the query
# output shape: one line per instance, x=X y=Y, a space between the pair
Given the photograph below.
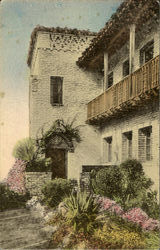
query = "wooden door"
x=58 y=157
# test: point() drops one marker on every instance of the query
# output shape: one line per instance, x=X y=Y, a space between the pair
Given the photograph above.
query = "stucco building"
x=108 y=80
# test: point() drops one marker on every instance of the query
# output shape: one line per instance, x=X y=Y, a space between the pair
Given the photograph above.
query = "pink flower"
x=135 y=215
x=151 y=225
x=16 y=177
x=110 y=206
x=138 y=216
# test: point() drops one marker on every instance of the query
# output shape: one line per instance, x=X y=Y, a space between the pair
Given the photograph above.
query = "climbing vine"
x=60 y=132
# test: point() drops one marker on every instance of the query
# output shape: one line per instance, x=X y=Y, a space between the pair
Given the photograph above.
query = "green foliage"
x=81 y=212
x=122 y=223
x=10 y=199
x=150 y=204
x=39 y=165
x=59 y=132
x=134 y=184
x=152 y=240
x=25 y=150
x=34 y=152
x=128 y=186
x=105 y=181
x=55 y=190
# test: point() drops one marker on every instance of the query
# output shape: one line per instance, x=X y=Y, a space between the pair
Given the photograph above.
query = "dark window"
x=56 y=84
x=110 y=79
x=126 y=68
x=146 y=53
x=109 y=148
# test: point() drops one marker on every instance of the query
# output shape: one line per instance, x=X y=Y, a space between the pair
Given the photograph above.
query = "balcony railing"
x=133 y=87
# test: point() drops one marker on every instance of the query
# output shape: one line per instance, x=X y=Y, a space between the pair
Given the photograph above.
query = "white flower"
x=31 y=203
x=48 y=217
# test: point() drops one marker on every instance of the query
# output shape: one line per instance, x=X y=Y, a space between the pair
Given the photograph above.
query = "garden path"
x=19 y=230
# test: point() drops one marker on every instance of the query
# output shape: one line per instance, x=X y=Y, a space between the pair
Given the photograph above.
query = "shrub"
x=116 y=237
x=138 y=216
x=10 y=199
x=150 y=205
x=55 y=190
x=134 y=216
x=152 y=240
x=82 y=211
x=39 y=165
x=16 y=177
x=105 y=182
x=134 y=184
x=110 y=206
x=127 y=185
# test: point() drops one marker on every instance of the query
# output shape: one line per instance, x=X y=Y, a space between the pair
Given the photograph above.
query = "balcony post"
x=105 y=86
x=131 y=47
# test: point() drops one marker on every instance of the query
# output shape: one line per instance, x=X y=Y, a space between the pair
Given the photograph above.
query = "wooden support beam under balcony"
x=139 y=87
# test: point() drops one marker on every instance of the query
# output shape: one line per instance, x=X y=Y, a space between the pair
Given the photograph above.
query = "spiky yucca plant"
x=82 y=211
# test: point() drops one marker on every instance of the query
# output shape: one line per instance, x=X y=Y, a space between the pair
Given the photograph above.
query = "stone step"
x=22 y=242
x=20 y=230
x=38 y=245
x=23 y=230
x=10 y=223
x=13 y=212
x=22 y=237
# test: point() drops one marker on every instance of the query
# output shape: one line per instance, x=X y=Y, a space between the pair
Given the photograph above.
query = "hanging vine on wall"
x=60 y=133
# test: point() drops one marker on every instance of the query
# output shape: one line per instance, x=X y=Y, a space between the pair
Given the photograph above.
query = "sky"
x=18 y=19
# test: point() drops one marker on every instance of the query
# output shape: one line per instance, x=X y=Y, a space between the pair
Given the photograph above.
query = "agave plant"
x=82 y=211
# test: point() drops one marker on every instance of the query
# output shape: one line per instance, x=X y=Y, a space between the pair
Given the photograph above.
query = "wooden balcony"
x=127 y=94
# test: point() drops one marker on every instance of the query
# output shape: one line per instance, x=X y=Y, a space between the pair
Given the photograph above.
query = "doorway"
x=59 y=162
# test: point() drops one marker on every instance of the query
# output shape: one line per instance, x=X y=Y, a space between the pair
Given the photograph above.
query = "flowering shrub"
x=128 y=185
x=135 y=215
x=16 y=177
x=109 y=205
x=116 y=237
x=151 y=224
x=32 y=202
x=138 y=216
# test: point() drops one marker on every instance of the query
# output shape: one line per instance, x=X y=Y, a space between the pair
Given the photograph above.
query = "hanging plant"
x=59 y=133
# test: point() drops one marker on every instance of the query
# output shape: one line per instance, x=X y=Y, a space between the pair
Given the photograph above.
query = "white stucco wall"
x=79 y=87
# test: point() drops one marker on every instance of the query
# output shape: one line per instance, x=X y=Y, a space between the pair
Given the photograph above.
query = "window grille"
x=145 y=144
